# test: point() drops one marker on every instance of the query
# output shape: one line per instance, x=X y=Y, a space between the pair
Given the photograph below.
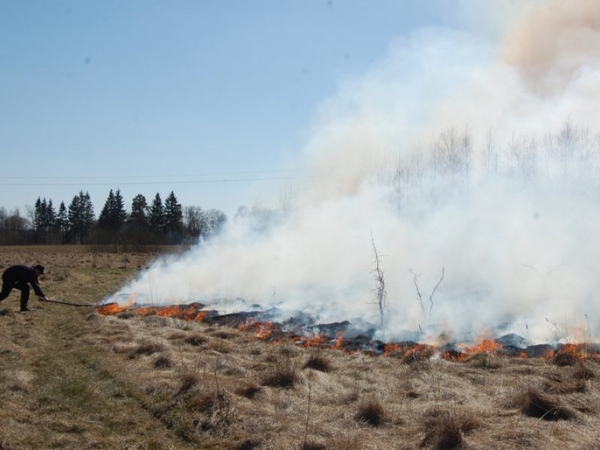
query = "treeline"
x=154 y=223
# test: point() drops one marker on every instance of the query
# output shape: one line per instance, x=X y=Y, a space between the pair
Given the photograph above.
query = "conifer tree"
x=139 y=208
x=156 y=217
x=173 y=214
x=61 y=223
x=81 y=216
x=113 y=213
x=44 y=218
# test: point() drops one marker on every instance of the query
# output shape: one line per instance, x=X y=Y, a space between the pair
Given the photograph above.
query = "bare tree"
x=380 y=282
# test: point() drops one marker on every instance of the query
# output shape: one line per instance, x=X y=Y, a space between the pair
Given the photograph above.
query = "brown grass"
x=72 y=379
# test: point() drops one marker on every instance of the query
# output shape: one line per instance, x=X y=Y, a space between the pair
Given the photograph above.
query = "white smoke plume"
x=468 y=165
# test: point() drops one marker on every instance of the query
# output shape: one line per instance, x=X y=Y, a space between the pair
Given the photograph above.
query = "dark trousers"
x=8 y=286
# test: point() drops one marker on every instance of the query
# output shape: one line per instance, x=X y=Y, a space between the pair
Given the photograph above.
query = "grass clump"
x=196 y=340
x=484 y=360
x=543 y=406
x=249 y=391
x=281 y=377
x=371 y=413
x=445 y=429
x=162 y=362
x=318 y=361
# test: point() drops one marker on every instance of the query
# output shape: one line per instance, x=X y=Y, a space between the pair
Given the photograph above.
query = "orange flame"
x=316 y=341
x=190 y=312
x=485 y=346
x=110 y=309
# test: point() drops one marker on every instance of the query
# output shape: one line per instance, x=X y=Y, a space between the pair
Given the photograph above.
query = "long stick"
x=68 y=303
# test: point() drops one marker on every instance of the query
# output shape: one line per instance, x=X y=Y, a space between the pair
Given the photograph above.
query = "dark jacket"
x=22 y=274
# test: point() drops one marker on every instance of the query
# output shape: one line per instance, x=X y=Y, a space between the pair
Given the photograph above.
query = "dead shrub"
x=370 y=412
x=533 y=403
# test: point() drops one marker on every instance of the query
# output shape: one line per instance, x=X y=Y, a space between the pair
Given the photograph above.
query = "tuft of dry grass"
x=445 y=429
x=543 y=406
x=249 y=391
x=370 y=412
x=318 y=361
x=281 y=376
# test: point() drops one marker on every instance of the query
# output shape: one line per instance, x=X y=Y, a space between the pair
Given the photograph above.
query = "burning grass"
x=76 y=379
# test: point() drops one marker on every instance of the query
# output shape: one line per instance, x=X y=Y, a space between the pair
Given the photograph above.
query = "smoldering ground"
x=469 y=168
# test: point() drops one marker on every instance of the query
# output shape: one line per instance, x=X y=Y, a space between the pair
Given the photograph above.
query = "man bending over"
x=20 y=277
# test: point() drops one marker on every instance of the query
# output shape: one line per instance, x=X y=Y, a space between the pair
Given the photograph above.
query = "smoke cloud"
x=470 y=168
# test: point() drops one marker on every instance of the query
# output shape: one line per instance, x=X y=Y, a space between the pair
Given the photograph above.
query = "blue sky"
x=209 y=99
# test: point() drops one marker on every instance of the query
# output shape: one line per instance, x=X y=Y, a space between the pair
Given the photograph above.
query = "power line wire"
x=206 y=174
x=129 y=183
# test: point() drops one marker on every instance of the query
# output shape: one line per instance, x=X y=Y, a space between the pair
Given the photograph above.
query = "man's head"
x=39 y=269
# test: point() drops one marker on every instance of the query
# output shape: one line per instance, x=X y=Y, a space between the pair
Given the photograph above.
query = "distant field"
x=71 y=378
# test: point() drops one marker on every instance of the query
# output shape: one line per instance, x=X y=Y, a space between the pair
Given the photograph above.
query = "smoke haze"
x=470 y=167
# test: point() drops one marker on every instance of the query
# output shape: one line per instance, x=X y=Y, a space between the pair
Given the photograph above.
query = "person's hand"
x=44 y=299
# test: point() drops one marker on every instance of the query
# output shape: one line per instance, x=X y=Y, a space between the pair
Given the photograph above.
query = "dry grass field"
x=71 y=378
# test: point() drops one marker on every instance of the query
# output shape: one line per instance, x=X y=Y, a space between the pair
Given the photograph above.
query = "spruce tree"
x=139 y=208
x=157 y=214
x=173 y=214
x=113 y=213
x=44 y=218
x=62 y=220
x=81 y=216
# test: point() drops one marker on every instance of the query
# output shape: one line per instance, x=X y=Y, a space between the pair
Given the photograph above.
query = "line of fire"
x=333 y=335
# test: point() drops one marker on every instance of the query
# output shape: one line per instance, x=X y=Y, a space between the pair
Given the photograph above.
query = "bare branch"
x=433 y=292
x=379 y=278
x=415 y=276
